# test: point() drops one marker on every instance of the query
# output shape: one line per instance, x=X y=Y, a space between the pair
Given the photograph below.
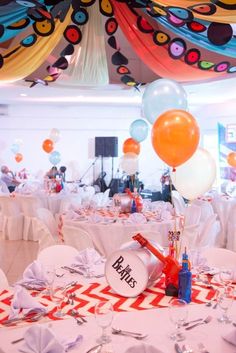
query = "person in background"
x=62 y=172
x=53 y=172
x=8 y=178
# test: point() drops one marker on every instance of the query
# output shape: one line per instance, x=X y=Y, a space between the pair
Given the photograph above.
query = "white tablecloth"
x=109 y=237
x=154 y=322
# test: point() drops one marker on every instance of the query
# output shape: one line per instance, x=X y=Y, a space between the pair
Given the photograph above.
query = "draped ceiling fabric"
x=185 y=40
x=89 y=55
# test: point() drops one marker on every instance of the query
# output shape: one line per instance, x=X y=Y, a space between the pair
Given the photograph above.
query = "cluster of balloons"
x=15 y=149
x=131 y=147
x=48 y=146
x=175 y=138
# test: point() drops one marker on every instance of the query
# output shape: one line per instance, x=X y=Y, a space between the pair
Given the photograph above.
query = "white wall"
x=79 y=124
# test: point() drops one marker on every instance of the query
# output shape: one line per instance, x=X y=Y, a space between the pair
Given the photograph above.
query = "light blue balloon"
x=162 y=95
x=55 y=157
x=139 y=130
x=15 y=148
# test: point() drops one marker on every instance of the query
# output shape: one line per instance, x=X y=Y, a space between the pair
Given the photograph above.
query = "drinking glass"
x=225 y=301
x=58 y=294
x=226 y=276
x=50 y=274
x=104 y=316
x=178 y=312
x=116 y=207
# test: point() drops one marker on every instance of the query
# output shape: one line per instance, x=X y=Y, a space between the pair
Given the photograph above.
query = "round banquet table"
x=108 y=237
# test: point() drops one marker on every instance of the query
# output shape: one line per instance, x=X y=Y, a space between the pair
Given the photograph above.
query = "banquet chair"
x=178 y=202
x=219 y=257
x=45 y=237
x=57 y=255
x=78 y=238
x=3 y=280
x=231 y=230
x=29 y=206
x=3 y=188
x=210 y=229
x=47 y=218
x=13 y=221
x=155 y=236
x=206 y=209
x=192 y=215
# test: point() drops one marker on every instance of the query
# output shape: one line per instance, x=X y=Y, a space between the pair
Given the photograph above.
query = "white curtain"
x=88 y=64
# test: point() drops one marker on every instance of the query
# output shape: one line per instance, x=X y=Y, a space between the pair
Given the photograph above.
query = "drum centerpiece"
x=130 y=270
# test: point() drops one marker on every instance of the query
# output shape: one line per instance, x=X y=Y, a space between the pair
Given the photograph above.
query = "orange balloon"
x=18 y=157
x=130 y=145
x=48 y=145
x=231 y=159
x=175 y=136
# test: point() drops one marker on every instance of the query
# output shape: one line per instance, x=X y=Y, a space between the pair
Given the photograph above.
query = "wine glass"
x=178 y=311
x=104 y=316
x=225 y=301
x=58 y=294
x=50 y=274
x=226 y=276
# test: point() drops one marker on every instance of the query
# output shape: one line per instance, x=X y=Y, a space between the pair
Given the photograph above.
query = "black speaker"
x=106 y=146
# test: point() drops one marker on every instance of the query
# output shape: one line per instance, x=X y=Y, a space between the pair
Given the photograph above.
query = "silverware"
x=28 y=317
x=95 y=349
x=18 y=340
x=177 y=348
x=130 y=332
x=205 y=321
x=192 y=321
x=187 y=349
x=137 y=336
x=72 y=270
x=202 y=348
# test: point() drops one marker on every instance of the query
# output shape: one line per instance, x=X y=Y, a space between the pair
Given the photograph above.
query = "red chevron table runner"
x=87 y=295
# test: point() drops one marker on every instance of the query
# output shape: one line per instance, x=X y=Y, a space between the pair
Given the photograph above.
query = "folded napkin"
x=230 y=337
x=95 y=218
x=40 y=339
x=166 y=215
x=23 y=301
x=143 y=348
x=90 y=260
x=34 y=275
x=137 y=218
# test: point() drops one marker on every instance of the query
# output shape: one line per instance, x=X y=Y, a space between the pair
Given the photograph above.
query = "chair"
x=57 y=255
x=219 y=257
x=3 y=188
x=3 y=280
x=209 y=232
x=231 y=230
x=47 y=218
x=45 y=238
x=178 y=202
x=192 y=215
x=13 y=220
x=76 y=237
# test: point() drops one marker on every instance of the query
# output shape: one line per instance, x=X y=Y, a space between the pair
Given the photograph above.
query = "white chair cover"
x=77 y=238
x=3 y=188
x=12 y=227
x=29 y=206
x=178 y=202
x=3 y=280
x=209 y=232
x=192 y=215
x=231 y=230
x=47 y=218
x=57 y=255
x=44 y=235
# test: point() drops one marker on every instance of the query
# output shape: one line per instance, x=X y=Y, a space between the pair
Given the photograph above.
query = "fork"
x=205 y=321
x=202 y=348
x=136 y=335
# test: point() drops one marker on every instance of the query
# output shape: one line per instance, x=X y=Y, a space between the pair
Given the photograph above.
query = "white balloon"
x=196 y=176
x=54 y=135
x=129 y=163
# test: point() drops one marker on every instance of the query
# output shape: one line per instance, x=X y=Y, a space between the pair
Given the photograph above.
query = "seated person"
x=8 y=178
x=53 y=173
x=62 y=171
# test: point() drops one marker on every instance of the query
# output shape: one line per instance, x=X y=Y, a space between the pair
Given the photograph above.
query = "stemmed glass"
x=178 y=311
x=116 y=206
x=58 y=294
x=226 y=276
x=225 y=300
x=104 y=316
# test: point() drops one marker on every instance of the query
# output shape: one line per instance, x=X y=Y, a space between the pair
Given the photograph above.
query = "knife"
x=72 y=270
x=177 y=348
